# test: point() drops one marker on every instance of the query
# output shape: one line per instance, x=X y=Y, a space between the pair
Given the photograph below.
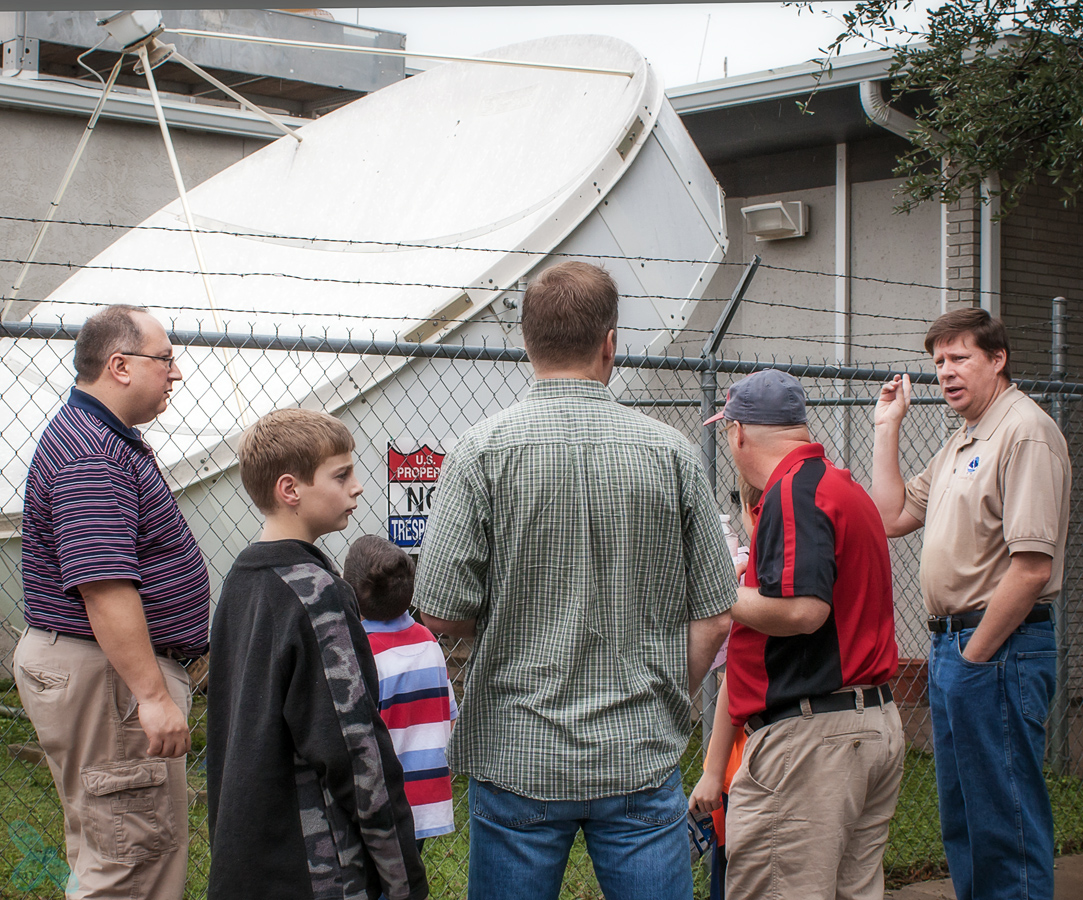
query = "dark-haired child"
x=417 y=701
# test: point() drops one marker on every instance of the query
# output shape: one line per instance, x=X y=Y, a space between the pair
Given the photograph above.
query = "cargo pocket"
x=129 y=810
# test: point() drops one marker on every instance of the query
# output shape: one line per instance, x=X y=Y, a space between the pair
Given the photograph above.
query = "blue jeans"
x=638 y=843
x=718 y=859
x=989 y=743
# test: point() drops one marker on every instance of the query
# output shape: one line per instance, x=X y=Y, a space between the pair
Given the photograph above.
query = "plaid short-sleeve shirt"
x=582 y=536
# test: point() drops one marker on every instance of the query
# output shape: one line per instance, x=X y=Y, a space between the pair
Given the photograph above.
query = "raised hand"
x=894 y=401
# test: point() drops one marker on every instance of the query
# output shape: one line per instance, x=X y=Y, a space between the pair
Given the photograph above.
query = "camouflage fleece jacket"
x=304 y=789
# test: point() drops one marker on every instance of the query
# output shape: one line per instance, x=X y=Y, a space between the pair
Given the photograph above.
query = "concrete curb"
x=1067 y=884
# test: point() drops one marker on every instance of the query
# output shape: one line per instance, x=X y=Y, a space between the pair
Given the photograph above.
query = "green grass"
x=914 y=851
x=27 y=796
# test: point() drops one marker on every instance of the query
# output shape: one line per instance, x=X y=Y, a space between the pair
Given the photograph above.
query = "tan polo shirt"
x=1003 y=489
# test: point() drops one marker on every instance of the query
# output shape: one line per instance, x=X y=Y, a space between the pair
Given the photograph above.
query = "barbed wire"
x=911 y=356
x=684 y=333
x=423 y=245
x=496 y=291
x=913 y=360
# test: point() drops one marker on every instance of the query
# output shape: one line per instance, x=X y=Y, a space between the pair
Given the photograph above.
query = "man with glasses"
x=116 y=599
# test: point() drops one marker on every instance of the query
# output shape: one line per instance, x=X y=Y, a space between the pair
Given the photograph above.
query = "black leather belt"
x=836 y=702
x=943 y=624
x=182 y=656
x=176 y=655
x=78 y=637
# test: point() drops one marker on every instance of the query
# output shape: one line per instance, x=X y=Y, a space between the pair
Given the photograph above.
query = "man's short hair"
x=989 y=334
x=567 y=312
x=108 y=331
x=288 y=441
x=381 y=575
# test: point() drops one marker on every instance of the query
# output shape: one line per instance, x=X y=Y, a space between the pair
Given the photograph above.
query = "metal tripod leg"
x=242 y=407
x=54 y=205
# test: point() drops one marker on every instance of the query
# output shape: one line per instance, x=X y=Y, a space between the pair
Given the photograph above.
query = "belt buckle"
x=177 y=656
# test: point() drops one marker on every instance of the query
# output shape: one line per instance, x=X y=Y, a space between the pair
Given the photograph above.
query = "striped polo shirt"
x=417 y=704
x=98 y=508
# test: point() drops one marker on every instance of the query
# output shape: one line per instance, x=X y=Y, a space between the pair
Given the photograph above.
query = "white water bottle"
x=733 y=542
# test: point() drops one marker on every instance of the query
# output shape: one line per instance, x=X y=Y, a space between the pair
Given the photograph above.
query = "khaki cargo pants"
x=125 y=815
x=809 y=807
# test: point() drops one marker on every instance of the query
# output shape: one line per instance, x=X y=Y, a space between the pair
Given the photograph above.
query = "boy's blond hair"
x=288 y=441
x=750 y=495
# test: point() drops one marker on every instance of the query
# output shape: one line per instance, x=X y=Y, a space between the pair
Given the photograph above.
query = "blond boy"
x=305 y=793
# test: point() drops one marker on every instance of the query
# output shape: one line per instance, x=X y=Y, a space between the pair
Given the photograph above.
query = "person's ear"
x=739 y=435
x=1000 y=360
x=609 y=352
x=118 y=368
x=286 y=493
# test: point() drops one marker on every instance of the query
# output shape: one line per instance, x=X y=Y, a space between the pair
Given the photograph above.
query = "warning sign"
x=411 y=483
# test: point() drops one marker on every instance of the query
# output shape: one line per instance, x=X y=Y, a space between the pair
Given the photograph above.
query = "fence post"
x=1061 y=753
x=708 y=383
x=709 y=450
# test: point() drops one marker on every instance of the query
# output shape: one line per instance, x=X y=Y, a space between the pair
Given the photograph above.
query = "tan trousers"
x=125 y=814
x=810 y=805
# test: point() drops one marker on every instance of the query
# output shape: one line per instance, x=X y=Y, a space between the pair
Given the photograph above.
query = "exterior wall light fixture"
x=776 y=220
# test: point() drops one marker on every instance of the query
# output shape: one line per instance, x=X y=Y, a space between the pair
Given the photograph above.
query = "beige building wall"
x=123 y=177
x=789 y=315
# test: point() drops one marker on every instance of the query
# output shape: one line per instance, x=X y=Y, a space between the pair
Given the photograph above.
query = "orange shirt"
x=719 y=815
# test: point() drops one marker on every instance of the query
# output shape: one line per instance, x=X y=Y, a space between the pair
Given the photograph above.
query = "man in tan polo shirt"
x=994 y=503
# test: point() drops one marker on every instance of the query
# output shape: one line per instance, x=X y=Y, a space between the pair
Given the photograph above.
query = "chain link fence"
x=408 y=396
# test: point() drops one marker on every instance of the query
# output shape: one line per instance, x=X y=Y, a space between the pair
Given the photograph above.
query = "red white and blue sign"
x=411 y=483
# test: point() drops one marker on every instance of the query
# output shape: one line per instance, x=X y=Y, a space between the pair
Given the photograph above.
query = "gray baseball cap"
x=769 y=397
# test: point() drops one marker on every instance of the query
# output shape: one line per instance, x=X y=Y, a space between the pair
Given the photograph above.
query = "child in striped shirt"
x=417 y=701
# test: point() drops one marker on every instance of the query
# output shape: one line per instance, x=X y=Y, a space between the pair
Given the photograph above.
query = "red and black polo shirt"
x=820 y=535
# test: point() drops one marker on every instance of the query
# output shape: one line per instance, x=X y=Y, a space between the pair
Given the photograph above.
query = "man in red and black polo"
x=811 y=651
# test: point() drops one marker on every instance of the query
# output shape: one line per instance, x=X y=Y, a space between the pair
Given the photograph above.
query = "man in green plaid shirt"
x=579 y=543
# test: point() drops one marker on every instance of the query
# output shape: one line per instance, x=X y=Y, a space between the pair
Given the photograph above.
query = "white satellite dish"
x=413 y=213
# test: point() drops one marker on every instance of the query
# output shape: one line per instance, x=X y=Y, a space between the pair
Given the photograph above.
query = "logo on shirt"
x=972 y=466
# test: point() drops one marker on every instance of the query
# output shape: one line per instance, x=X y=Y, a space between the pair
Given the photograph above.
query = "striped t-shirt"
x=417 y=703
x=97 y=508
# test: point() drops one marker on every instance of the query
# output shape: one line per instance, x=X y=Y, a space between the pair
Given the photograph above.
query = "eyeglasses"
x=170 y=360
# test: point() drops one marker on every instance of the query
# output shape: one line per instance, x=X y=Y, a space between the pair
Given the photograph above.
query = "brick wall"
x=1042 y=258
x=964 y=252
